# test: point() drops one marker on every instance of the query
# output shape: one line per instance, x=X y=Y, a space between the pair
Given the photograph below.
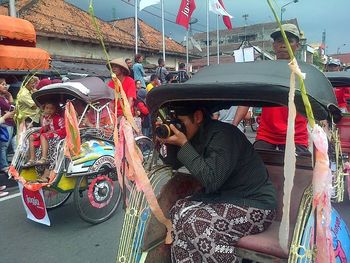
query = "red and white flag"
x=146 y=3
x=226 y=19
x=185 y=12
x=216 y=7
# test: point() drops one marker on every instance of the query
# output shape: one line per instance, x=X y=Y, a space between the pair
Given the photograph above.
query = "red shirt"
x=342 y=94
x=129 y=89
x=273 y=126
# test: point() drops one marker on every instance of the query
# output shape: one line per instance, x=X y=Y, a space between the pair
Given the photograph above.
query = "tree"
x=318 y=61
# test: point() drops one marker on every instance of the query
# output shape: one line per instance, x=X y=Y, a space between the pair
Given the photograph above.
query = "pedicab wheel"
x=54 y=199
x=146 y=146
x=96 y=198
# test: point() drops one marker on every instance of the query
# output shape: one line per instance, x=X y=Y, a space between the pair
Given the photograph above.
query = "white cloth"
x=217 y=8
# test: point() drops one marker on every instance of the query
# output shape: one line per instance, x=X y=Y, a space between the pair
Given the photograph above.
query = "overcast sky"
x=314 y=16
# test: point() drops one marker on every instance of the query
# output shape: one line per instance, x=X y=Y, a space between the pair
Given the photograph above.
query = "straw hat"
x=120 y=62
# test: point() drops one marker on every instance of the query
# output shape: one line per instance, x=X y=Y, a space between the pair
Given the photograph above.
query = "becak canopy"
x=23 y=58
x=17 y=31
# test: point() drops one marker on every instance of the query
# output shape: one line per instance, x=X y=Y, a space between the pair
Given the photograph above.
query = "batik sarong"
x=208 y=232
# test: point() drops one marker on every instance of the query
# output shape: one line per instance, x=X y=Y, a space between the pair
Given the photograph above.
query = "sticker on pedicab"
x=100 y=191
x=340 y=234
x=34 y=204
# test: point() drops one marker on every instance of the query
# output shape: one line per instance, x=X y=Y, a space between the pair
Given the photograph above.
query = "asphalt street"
x=68 y=239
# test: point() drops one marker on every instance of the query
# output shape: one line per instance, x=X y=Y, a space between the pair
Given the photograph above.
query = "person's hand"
x=9 y=115
x=178 y=138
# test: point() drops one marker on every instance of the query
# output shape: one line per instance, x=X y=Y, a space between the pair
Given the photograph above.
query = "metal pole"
x=163 y=34
x=217 y=39
x=136 y=27
x=208 y=32
x=187 y=43
x=12 y=8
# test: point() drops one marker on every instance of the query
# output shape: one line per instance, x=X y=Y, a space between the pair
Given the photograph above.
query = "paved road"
x=69 y=239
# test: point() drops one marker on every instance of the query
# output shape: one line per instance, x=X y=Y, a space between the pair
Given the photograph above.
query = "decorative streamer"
x=72 y=143
x=125 y=145
x=321 y=174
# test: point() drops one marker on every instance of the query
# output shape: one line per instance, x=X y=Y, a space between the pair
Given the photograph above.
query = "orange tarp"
x=23 y=58
x=17 y=28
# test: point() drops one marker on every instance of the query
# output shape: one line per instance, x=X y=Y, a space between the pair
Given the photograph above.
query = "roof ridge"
x=27 y=6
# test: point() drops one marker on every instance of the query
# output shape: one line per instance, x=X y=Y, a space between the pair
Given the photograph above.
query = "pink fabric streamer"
x=136 y=173
x=322 y=183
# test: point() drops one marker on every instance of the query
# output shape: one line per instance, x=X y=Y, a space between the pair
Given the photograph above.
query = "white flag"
x=146 y=3
x=217 y=8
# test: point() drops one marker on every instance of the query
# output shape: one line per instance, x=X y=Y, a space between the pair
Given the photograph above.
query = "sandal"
x=42 y=161
x=29 y=163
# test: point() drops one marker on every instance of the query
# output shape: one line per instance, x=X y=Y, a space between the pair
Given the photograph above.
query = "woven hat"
x=120 y=62
x=288 y=28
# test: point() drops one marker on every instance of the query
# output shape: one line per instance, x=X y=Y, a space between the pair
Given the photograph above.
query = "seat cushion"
x=265 y=242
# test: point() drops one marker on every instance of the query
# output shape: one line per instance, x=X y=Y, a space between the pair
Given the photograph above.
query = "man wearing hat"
x=272 y=130
x=333 y=65
x=121 y=70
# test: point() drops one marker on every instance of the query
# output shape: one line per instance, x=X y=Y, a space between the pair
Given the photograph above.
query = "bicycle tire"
x=57 y=201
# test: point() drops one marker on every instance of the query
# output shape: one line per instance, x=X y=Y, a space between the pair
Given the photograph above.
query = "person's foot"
x=2 y=193
x=2 y=187
x=42 y=161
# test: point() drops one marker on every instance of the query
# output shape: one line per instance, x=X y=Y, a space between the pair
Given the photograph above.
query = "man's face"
x=129 y=63
x=116 y=69
x=280 y=47
x=333 y=68
x=191 y=124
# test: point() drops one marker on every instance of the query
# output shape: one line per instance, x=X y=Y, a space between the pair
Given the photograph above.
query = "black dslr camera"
x=164 y=131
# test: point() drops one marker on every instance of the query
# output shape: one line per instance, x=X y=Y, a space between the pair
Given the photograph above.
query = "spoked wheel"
x=96 y=198
x=54 y=199
x=146 y=146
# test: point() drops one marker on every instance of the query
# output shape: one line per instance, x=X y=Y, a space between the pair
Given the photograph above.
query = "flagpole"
x=187 y=43
x=136 y=27
x=207 y=32
x=163 y=34
x=217 y=39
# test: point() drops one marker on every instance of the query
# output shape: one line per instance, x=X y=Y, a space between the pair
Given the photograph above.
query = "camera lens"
x=163 y=131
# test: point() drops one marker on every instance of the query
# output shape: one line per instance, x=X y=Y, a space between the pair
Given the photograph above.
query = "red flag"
x=185 y=12
x=226 y=19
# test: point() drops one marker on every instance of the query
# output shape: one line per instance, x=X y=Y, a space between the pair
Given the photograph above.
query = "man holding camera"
x=237 y=198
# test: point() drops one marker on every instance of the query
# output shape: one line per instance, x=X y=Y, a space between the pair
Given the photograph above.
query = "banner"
x=226 y=19
x=216 y=7
x=185 y=12
x=146 y=3
x=34 y=204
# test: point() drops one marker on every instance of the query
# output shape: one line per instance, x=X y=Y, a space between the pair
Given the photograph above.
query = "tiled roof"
x=63 y=20
x=344 y=58
x=150 y=38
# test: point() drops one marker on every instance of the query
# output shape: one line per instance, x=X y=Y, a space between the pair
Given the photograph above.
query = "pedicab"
x=91 y=175
x=254 y=84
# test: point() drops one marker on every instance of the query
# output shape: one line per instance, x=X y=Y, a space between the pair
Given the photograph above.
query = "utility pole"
x=12 y=8
x=245 y=16
x=324 y=41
